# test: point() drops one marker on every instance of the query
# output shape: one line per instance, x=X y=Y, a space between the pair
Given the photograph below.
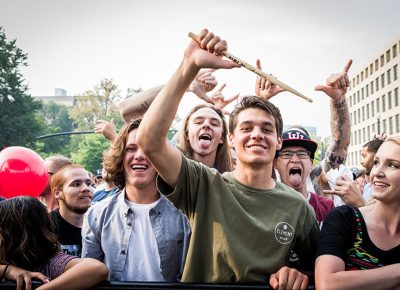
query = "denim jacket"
x=108 y=226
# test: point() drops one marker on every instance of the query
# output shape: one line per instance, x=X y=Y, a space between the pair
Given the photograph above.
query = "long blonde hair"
x=223 y=157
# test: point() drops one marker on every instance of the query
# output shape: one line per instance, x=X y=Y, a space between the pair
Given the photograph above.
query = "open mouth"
x=205 y=136
x=139 y=167
x=294 y=171
x=380 y=184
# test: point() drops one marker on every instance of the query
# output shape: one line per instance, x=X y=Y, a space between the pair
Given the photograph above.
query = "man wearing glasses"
x=294 y=163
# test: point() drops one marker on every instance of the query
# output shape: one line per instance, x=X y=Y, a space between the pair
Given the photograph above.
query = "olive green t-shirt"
x=240 y=234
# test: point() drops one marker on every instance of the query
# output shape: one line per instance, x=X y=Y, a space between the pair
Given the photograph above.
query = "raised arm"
x=336 y=88
x=152 y=132
x=134 y=107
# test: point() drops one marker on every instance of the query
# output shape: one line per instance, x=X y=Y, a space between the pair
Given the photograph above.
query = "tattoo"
x=145 y=105
x=340 y=130
x=314 y=176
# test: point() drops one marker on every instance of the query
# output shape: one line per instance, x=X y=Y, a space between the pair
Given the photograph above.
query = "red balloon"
x=22 y=172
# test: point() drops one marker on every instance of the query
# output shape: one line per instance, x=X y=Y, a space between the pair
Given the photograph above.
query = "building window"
x=367 y=111
x=384 y=126
x=355 y=138
x=382 y=60
x=397 y=123
x=363 y=113
x=394 y=50
x=366 y=72
x=354 y=117
x=373 y=128
x=388 y=55
x=383 y=103
x=362 y=93
x=372 y=87
x=367 y=90
x=358 y=96
x=377 y=84
x=382 y=80
x=378 y=108
x=395 y=73
x=359 y=136
x=396 y=97
x=390 y=120
x=389 y=100
x=388 y=76
x=358 y=115
x=368 y=134
x=363 y=135
x=371 y=68
x=358 y=79
x=373 y=108
x=376 y=65
x=362 y=76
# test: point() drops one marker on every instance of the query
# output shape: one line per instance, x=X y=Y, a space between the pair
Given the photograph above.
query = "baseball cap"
x=295 y=136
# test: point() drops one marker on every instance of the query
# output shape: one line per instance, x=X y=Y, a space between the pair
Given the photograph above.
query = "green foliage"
x=19 y=125
x=90 y=151
x=97 y=104
x=54 y=119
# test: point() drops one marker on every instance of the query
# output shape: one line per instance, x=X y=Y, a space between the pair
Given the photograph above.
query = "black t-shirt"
x=68 y=235
x=344 y=234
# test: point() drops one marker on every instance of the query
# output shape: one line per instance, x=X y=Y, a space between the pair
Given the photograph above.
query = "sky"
x=74 y=44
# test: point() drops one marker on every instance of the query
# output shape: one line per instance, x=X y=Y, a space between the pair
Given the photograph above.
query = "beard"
x=73 y=208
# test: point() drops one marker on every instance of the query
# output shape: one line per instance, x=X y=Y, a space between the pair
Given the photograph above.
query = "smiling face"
x=385 y=173
x=294 y=170
x=255 y=138
x=204 y=132
x=76 y=192
x=139 y=172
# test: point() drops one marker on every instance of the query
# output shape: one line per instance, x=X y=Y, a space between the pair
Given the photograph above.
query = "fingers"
x=273 y=281
x=347 y=66
x=221 y=88
x=230 y=100
x=258 y=64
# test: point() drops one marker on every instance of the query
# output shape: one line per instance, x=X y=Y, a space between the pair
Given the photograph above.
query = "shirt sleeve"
x=337 y=233
x=91 y=240
x=56 y=265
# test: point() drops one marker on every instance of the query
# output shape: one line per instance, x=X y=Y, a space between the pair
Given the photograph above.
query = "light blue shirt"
x=109 y=224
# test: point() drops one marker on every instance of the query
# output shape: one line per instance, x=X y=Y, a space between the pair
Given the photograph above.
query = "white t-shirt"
x=143 y=259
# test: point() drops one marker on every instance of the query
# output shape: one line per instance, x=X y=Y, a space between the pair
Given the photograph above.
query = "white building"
x=60 y=98
x=374 y=100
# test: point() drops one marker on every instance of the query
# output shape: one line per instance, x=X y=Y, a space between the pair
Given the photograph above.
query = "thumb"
x=322 y=89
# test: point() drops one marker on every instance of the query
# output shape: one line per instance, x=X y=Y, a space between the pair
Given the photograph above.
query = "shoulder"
x=105 y=205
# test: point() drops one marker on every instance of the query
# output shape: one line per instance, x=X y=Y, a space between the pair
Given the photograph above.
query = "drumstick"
x=258 y=72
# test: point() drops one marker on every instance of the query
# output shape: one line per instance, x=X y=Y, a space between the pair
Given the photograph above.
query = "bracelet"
x=4 y=273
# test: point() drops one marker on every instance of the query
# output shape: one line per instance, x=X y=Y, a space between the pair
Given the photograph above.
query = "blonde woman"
x=359 y=248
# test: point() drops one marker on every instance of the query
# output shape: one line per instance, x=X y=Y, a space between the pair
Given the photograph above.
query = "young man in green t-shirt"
x=246 y=227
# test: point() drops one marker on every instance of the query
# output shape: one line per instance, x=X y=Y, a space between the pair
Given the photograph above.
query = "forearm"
x=380 y=279
x=134 y=107
x=82 y=274
x=340 y=134
x=159 y=117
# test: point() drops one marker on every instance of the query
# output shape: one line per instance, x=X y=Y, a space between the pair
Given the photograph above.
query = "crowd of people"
x=223 y=202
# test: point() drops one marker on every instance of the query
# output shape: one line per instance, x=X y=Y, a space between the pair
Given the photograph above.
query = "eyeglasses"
x=289 y=154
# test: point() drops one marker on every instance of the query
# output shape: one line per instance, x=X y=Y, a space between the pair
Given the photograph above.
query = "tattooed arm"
x=336 y=88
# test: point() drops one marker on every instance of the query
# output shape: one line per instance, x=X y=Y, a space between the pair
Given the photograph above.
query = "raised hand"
x=207 y=52
x=337 y=84
x=264 y=88
x=106 y=128
x=219 y=100
x=204 y=82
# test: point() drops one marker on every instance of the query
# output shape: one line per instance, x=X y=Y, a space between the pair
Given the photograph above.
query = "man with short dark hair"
x=245 y=224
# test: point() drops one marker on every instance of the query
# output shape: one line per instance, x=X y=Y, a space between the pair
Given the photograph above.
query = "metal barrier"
x=158 y=286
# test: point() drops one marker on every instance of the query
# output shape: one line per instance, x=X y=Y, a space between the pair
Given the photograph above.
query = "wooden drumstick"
x=258 y=72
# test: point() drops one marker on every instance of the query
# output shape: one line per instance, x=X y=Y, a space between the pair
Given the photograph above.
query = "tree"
x=19 y=125
x=54 y=119
x=95 y=105
x=90 y=151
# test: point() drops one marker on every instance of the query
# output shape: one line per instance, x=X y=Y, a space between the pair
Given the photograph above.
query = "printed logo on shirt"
x=284 y=233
